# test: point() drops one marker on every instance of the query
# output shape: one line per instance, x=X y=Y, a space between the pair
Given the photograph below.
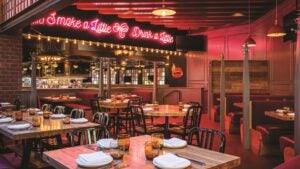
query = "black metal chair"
x=104 y=121
x=205 y=138
x=46 y=107
x=192 y=119
x=139 y=122
x=95 y=105
x=59 y=110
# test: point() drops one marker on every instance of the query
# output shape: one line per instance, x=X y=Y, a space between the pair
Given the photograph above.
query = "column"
x=297 y=93
x=108 y=79
x=100 y=78
x=246 y=92
x=67 y=67
x=33 y=94
x=154 y=92
x=222 y=95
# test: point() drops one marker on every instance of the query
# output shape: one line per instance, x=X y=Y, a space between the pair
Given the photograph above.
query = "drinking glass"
x=19 y=116
x=31 y=112
x=150 y=152
x=117 y=153
x=36 y=121
x=124 y=141
x=157 y=140
x=46 y=114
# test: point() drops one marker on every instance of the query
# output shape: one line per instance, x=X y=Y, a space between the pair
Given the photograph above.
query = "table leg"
x=27 y=146
x=166 y=127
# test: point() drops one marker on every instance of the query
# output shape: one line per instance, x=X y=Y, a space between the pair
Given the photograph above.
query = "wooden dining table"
x=280 y=116
x=49 y=127
x=54 y=101
x=135 y=157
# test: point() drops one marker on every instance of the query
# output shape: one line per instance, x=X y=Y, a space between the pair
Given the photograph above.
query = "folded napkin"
x=97 y=158
x=40 y=112
x=58 y=115
x=107 y=143
x=18 y=126
x=187 y=105
x=6 y=120
x=79 y=120
x=147 y=108
x=184 y=109
x=171 y=161
x=149 y=105
x=174 y=143
x=280 y=110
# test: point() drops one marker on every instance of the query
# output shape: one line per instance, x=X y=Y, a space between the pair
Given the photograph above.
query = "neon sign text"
x=98 y=27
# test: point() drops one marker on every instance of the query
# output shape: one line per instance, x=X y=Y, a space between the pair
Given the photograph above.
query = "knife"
x=191 y=159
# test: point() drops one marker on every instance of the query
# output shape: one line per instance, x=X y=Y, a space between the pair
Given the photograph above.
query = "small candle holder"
x=36 y=121
x=18 y=116
x=46 y=114
x=150 y=152
x=124 y=141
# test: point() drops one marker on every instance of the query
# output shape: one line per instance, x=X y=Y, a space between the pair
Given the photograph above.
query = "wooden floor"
x=233 y=146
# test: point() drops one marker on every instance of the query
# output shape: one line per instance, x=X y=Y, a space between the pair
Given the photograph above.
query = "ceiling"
x=200 y=15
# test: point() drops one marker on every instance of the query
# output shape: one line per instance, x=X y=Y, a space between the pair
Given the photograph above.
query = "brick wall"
x=10 y=67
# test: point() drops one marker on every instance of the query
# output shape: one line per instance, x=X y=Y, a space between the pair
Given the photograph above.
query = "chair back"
x=94 y=105
x=77 y=113
x=102 y=119
x=193 y=117
x=46 y=107
x=59 y=110
x=137 y=114
x=205 y=138
x=194 y=103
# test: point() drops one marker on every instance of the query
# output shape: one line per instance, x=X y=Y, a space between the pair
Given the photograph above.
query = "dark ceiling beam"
x=32 y=13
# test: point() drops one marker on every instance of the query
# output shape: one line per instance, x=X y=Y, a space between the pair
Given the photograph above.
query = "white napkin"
x=147 y=108
x=106 y=143
x=187 y=105
x=40 y=112
x=6 y=120
x=184 y=109
x=94 y=158
x=58 y=116
x=18 y=126
x=79 y=120
x=171 y=161
x=279 y=110
x=291 y=114
x=174 y=142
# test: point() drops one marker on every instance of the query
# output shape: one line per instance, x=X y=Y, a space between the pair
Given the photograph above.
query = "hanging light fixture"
x=249 y=41
x=163 y=11
x=276 y=30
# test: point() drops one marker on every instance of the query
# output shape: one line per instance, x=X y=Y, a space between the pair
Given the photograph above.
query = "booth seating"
x=265 y=131
x=144 y=94
x=287 y=144
x=85 y=103
x=293 y=163
x=235 y=113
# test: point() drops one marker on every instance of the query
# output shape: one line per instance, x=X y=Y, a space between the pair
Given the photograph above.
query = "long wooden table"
x=135 y=157
x=49 y=127
x=280 y=116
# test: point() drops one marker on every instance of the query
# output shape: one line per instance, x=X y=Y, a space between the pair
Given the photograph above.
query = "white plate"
x=175 y=143
x=79 y=120
x=19 y=126
x=40 y=112
x=57 y=116
x=183 y=165
x=104 y=163
x=6 y=120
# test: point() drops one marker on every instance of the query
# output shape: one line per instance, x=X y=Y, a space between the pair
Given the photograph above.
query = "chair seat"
x=150 y=129
x=78 y=106
x=272 y=132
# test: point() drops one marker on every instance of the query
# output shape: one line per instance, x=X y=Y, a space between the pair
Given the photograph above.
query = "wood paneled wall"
x=229 y=41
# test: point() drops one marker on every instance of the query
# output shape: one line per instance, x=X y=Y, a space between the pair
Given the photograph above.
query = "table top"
x=239 y=104
x=49 y=127
x=165 y=111
x=61 y=99
x=113 y=104
x=135 y=158
x=280 y=116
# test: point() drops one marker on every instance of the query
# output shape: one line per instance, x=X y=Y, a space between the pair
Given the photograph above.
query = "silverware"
x=191 y=159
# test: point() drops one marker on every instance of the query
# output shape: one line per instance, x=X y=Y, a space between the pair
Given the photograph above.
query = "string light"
x=39 y=37
x=83 y=42
x=29 y=36
x=111 y=45
x=98 y=44
x=152 y=50
x=142 y=49
x=124 y=47
x=104 y=45
x=57 y=40
x=90 y=43
x=75 y=41
x=130 y=47
x=48 y=39
x=118 y=46
x=67 y=40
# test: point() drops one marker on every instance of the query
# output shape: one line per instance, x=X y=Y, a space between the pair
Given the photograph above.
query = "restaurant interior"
x=149 y=84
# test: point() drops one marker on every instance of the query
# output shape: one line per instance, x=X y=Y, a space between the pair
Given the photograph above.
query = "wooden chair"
x=139 y=122
x=205 y=138
x=192 y=119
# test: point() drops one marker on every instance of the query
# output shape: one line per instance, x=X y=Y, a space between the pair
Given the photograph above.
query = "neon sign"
x=120 y=29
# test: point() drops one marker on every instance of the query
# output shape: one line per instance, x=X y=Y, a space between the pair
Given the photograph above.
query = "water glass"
x=19 y=116
x=150 y=152
x=46 y=114
x=124 y=141
x=36 y=121
x=157 y=140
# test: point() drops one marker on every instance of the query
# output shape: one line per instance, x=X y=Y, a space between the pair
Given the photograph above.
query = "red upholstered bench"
x=290 y=164
x=272 y=132
x=77 y=106
x=287 y=144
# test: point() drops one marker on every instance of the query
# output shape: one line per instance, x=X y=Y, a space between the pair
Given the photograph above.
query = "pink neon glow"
x=120 y=29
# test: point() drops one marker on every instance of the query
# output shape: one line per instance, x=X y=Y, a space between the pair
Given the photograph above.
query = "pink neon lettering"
x=99 y=27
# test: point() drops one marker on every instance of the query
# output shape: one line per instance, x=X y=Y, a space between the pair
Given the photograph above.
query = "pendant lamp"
x=163 y=11
x=249 y=41
x=276 y=30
